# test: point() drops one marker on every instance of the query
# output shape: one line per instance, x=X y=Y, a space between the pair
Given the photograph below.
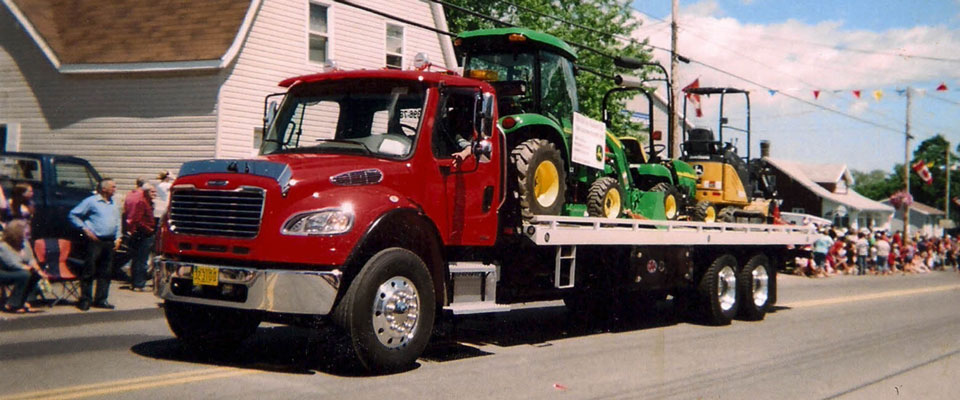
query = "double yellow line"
x=127 y=385
x=870 y=296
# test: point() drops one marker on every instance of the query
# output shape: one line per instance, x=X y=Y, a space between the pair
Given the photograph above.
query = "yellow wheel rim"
x=611 y=204
x=670 y=206
x=711 y=215
x=546 y=183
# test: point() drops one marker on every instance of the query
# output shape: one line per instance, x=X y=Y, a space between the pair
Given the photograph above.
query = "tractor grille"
x=231 y=213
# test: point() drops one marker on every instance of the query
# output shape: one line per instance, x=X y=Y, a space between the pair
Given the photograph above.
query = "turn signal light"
x=516 y=37
x=458 y=42
x=656 y=135
x=508 y=122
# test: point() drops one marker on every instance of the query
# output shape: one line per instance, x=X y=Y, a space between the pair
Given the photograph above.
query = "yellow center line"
x=871 y=296
x=126 y=385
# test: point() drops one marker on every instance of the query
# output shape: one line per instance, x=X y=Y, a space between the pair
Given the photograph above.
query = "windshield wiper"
x=350 y=141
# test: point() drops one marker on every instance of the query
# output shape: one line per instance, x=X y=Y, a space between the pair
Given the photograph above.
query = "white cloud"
x=703 y=8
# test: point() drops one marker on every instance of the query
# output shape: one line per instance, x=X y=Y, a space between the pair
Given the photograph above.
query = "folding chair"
x=53 y=255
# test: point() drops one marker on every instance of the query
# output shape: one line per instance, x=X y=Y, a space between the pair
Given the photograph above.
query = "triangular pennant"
x=772 y=92
x=942 y=87
x=816 y=94
x=856 y=93
x=878 y=94
x=901 y=92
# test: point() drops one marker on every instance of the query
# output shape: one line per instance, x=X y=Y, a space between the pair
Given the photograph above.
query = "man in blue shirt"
x=99 y=218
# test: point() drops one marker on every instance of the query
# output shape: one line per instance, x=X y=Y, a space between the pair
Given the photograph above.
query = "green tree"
x=875 y=184
x=933 y=151
x=613 y=17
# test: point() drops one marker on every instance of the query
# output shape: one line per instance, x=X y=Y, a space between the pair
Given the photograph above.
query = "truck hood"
x=287 y=169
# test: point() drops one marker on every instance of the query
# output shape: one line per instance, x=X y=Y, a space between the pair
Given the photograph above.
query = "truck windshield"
x=371 y=117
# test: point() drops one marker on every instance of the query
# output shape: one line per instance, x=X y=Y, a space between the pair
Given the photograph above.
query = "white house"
x=924 y=219
x=138 y=86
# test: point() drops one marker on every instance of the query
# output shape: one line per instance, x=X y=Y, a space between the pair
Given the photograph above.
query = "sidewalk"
x=124 y=299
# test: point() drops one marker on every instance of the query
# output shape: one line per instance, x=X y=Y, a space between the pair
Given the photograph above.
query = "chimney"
x=764 y=148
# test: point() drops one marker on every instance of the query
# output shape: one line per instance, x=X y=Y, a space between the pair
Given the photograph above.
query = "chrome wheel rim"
x=396 y=311
x=727 y=288
x=761 y=285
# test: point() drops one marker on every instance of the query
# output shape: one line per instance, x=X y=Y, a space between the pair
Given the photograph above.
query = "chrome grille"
x=232 y=213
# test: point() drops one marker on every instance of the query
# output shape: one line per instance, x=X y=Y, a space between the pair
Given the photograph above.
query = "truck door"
x=472 y=192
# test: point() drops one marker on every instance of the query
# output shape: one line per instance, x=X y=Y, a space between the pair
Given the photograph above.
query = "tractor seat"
x=701 y=143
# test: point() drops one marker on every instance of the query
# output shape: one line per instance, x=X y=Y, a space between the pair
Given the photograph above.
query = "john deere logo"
x=599 y=153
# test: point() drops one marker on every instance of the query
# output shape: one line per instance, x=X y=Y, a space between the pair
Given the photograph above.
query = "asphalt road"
x=838 y=338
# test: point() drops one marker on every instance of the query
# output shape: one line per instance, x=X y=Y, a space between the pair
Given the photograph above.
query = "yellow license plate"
x=207 y=276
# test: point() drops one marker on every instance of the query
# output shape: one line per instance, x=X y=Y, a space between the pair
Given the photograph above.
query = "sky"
x=834 y=47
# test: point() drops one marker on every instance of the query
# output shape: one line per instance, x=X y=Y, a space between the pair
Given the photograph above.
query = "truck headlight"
x=329 y=221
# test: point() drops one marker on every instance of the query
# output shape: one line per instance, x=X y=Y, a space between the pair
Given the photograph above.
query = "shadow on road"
x=300 y=350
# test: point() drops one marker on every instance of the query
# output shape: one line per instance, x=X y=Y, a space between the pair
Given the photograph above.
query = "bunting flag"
x=878 y=94
x=942 y=87
x=772 y=92
x=856 y=93
x=921 y=169
x=816 y=94
x=694 y=98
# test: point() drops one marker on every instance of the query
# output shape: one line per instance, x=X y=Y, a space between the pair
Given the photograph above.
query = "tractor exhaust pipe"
x=764 y=148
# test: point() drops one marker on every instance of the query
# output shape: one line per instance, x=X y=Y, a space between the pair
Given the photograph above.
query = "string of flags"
x=859 y=93
x=856 y=93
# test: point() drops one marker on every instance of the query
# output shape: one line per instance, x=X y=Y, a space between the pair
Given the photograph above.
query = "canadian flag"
x=921 y=168
x=694 y=98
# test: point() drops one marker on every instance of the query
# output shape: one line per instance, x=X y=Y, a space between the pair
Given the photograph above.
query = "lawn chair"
x=53 y=255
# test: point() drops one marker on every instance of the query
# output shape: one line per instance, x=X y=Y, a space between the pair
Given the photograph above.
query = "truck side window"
x=453 y=129
x=74 y=176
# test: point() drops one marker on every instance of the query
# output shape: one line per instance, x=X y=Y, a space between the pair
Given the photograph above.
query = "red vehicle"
x=358 y=211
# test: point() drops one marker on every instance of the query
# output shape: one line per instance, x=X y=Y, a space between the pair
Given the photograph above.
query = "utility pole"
x=946 y=196
x=906 y=169
x=673 y=141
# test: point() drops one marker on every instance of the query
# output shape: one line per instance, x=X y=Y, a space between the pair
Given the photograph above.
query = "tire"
x=671 y=199
x=753 y=286
x=605 y=198
x=718 y=291
x=541 y=178
x=209 y=330
x=388 y=311
x=727 y=214
x=704 y=211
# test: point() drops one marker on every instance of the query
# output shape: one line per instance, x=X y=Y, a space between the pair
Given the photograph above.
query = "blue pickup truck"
x=59 y=183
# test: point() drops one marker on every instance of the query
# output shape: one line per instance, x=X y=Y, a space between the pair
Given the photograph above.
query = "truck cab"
x=353 y=164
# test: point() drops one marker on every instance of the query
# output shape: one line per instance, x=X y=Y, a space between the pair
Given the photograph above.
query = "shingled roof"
x=132 y=35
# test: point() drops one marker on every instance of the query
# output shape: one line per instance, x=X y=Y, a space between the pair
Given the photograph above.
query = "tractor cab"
x=533 y=72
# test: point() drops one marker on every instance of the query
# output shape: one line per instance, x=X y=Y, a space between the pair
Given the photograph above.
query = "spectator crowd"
x=848 y=252
x=106 y=228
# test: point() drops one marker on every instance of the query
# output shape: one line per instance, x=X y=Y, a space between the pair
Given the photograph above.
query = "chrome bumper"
x=273 y=290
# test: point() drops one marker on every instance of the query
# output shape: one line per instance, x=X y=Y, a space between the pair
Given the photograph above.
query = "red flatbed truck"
x=357 y=212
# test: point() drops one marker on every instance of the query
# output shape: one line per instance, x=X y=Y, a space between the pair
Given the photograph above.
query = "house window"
x=394 y=46
x=319 y=33
x=3 y=137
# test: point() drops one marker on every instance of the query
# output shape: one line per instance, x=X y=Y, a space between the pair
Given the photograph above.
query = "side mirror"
x=482 y=148
x=486 y=115
x=270 y=113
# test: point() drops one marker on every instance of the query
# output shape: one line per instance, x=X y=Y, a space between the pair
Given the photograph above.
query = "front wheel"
x=671 y=199
x=207 y=329
x=718 y=290
x=541 y=178
x=704 y=211
x=754 y=287
x=605 y=198
x=388 y=310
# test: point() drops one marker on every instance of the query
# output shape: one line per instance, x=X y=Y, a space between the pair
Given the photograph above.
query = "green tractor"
x=534 y=75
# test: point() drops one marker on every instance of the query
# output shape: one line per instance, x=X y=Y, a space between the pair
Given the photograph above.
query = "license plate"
x=207 y=276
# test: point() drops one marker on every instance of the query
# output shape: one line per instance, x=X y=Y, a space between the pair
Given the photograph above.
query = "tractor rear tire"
x=605 y=199
x=541 y=178
x=704 y=211
x=671 y=200
x=727 y=214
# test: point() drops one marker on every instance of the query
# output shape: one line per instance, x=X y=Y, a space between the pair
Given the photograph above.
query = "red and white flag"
x=921 y=168
x=694 y=98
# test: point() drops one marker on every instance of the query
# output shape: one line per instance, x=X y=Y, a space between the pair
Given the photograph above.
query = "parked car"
x=59 y=183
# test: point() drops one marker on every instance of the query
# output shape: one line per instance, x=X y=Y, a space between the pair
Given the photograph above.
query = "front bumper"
x=272 y=290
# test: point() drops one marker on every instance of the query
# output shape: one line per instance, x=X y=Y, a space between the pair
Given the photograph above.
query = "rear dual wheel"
x=754 y=284
x=718 y=291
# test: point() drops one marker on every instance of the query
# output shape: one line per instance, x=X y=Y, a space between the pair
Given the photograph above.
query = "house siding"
x=128 y=126
x=795 y=195
x=276 y=48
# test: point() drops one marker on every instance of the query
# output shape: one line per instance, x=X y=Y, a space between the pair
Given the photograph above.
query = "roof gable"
x=798 y=172
x=130 y=35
